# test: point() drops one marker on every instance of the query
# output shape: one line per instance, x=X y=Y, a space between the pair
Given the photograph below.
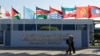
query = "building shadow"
x=38 y=48
x=43 y=54
x=11 y=54
x=86 y=55
x=95 y=51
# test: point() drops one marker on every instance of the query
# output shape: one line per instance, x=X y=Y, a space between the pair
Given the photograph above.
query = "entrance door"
x=1 y=38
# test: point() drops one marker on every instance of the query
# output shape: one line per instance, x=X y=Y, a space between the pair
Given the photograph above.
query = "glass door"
x=1 y=38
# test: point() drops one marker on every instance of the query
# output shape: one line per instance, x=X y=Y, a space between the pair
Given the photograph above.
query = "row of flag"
x=64 y=13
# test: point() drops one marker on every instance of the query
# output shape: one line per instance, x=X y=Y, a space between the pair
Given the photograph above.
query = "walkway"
x=46 y=52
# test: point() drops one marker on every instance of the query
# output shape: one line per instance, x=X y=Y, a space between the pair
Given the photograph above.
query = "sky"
x=44 y=4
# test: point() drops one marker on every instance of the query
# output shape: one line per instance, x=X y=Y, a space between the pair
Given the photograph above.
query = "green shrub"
x=47 y=28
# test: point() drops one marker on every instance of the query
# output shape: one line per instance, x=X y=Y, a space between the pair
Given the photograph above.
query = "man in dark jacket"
x=70 y=44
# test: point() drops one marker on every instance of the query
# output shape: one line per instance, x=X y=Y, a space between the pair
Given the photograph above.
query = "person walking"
x=70 y=44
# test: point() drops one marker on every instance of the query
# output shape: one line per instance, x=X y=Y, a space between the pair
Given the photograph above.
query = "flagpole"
x=0 y=12
x=75 y=13
x=36 y=12
x=36 y=17
x=75 y=19
x=88 y=12
x=23 y=12
x=62 y=11
x=12 y=19
x=62 y=17
x=24 y=18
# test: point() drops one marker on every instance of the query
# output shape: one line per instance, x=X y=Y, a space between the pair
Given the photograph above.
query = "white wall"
x=43 y=38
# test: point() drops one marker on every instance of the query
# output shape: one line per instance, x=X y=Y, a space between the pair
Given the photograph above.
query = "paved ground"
x=47 y=52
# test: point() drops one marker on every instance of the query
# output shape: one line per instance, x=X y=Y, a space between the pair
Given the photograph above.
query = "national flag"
x=94 y=11
x=41 y=13
x=68 y=12
x=28 y=13
x=15 y=14
x=55 y=14
x=4 y=14
x=82 y=12
x=52 y=10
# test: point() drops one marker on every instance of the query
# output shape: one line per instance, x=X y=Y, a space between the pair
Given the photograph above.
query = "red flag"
x=82 y=12
x=94 y=11
x=14 y=12
x=7 y=14
x=52 y=10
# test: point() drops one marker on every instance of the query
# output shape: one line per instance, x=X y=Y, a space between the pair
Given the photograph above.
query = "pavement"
x=47 y=52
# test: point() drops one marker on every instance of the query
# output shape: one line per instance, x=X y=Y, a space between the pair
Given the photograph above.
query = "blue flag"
x=55 y=16
x=28 y=13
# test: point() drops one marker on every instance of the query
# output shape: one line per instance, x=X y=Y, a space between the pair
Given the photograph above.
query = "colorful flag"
x=41 y=13
x=15 y=14
x=28 y=13
x=55 y=14
x=82 y=12
x=94 y=11
x=68 y=12
x=4 y=14
x=52 y=10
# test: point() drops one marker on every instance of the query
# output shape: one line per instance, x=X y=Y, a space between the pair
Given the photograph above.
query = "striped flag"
x=41 y=13
x=55 y=14
x=69 y=12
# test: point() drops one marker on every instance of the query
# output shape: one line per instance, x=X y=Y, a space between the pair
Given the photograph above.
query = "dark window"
x=55 y=27
x=20 y=27
x=43 y=27
x=8 y=27
x=68 y=26
x=30 y=27
x=81 y=27
x=15 y=26
x=1 y=37
x=3 y=27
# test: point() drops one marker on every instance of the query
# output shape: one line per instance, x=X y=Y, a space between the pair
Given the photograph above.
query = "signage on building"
x=44 y=38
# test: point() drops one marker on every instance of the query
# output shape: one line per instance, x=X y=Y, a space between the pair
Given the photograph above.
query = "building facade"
x=45 y=32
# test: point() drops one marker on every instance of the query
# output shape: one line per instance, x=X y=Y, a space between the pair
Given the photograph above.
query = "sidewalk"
x=45 y=52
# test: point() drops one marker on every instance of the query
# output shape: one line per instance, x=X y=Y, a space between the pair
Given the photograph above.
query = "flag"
x=4 y=14
x=41 y=13
x=55 y=14
x=15 y=14
x=68 y=12
x=28 y=13
x=52 y=10
x=82 y=12
x=94 y=11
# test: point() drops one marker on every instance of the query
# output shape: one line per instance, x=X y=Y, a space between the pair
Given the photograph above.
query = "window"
x=15 y=26
x=68 y=26
x=1 y=37
x=44 y=27
x=29 y=27
x=81 y=26
x=18 y=27
x=55 y=27
x=8 y=27
x=3 y=27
